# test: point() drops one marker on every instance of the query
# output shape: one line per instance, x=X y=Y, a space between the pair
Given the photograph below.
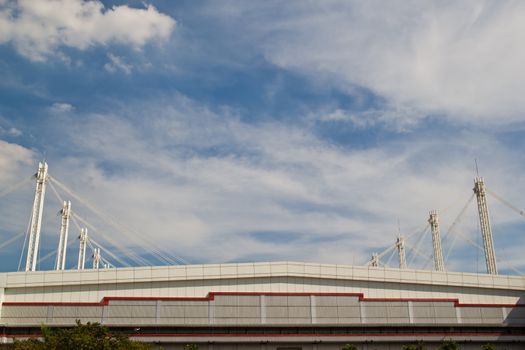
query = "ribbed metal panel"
x=133 y=302
x=185 y=302
x=238 y=321
x=24 y=311
x=148 y=311
x=244 y=311
x=348 y=311
x=299 y=300
x=299 y=311
x=196 y=321
x=276 y=311
x=65 y=311
x=21 y=321
x=72 y=320
x=143 y=320
x=171 y=321
x=171 y=311
x=471 y=314
x=88 y=311
x=196 y=311
x=249 y=300
x=286 y=320
x=119 y=311
x=349 y=320
x=276 y=300
x=326 y=311
x=248 y=311
x=226 y=300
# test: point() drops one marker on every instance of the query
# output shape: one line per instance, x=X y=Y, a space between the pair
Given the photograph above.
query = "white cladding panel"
x=289 y=277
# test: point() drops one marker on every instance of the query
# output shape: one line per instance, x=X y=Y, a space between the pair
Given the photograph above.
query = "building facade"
x=278 y=305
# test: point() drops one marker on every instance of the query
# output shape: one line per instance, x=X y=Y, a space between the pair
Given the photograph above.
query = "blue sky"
x=228 y=131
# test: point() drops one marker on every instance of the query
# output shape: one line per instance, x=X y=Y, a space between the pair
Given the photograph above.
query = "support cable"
x=506 y=203
x=458 y=218
x=16 y=186
x=510 y=266
x=429 y=259
x=108 y=220
x=454 y=224
x=383 y=253
x=106 y=262
x=110 y=254
x=394 y=246
x=55 y=192
x=79 y=228
x=417 y=244
x=53 y=188
x=132 y=235
x=47 y=256
x=74 y=215
x=11 y=240
x=390 y=258
x=469 y=240
x=423 y=255
x=53 y=252
x=28 y=231
x=124 y=263
x=128 y=252
x=421 y=229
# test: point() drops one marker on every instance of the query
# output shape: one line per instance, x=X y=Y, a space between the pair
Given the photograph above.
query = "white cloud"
x=117 y=63
x=61 y=107
x=396 y=118
x=12 y=157
x=38 y=29
x=202 y=183
x=10 y=131
x=460 y=59
x=16 y=165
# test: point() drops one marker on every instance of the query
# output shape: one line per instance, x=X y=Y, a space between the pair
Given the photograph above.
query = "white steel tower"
x=439 y=264
x=62 y=242
x=36 y=217
x=96 y=258
x=400 y=243
x=375 y=260
x=82 y=248
x=486 y=230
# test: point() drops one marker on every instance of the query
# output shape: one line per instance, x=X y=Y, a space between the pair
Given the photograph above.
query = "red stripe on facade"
x=211 y=296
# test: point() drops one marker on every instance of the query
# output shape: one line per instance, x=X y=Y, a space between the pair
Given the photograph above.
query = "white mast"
x=62 y=242
x=82 y=248
x=486 y=230
x=375 y=260
x=439 y=264
x=96 y=258
x=36 y=217
x=401 y=250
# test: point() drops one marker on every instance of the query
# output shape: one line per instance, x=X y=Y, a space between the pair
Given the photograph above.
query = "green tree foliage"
x=191 y=347
x=449 y=345
x=418 y=346
x=91 y=336
x=349 y=347
x=488 y=347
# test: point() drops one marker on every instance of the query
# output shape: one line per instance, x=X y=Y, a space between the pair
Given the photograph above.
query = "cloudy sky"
x=234 y=131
